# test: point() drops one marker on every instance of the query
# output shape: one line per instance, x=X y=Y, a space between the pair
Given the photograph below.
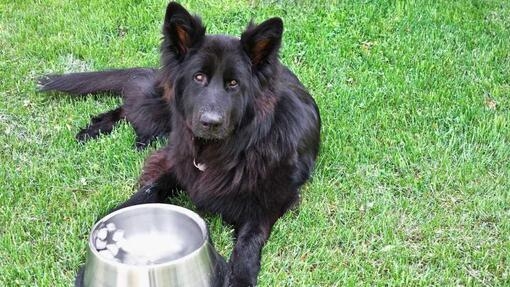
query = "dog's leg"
x=101 y=124
x=157 y=182
x=245 y=258
x=147 y=110
x=78 y=281
x=156 y=192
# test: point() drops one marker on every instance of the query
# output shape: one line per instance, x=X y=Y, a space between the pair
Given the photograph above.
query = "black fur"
x=228 y=105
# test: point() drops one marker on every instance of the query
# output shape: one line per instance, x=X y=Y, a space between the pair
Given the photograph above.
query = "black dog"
x=243 y=131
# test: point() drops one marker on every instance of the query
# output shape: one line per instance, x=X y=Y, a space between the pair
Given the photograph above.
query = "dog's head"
x=215 y=77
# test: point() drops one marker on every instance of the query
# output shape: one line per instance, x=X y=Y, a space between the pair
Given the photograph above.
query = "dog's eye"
x=232 y=83
x=200 y=78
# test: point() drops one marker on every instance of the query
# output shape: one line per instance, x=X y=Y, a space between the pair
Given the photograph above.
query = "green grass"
x=413 y=181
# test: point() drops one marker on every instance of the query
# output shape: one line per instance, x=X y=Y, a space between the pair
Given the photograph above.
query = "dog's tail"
x=112 y=81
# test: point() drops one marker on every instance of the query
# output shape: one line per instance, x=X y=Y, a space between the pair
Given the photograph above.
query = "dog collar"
x=199 y=166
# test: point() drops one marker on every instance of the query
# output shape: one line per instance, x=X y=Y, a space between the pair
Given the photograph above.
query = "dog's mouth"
x=209 y=136
x=199 y=141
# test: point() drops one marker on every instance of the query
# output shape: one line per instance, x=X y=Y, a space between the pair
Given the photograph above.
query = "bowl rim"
x=170 y=207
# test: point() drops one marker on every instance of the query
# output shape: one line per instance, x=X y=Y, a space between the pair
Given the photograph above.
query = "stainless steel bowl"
x=152 y=245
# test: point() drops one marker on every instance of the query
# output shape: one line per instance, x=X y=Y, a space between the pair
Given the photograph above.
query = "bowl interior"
x=148 y=234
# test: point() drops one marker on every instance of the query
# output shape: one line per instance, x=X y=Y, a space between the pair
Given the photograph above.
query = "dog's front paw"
x=240 y=281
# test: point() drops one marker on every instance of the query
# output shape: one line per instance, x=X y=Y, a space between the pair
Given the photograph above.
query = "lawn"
x=412 y=187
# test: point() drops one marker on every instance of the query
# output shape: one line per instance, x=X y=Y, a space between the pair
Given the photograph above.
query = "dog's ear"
x=262 y=42
x=181 y=31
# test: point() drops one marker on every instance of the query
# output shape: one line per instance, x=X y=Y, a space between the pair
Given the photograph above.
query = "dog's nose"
x=211 y=119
